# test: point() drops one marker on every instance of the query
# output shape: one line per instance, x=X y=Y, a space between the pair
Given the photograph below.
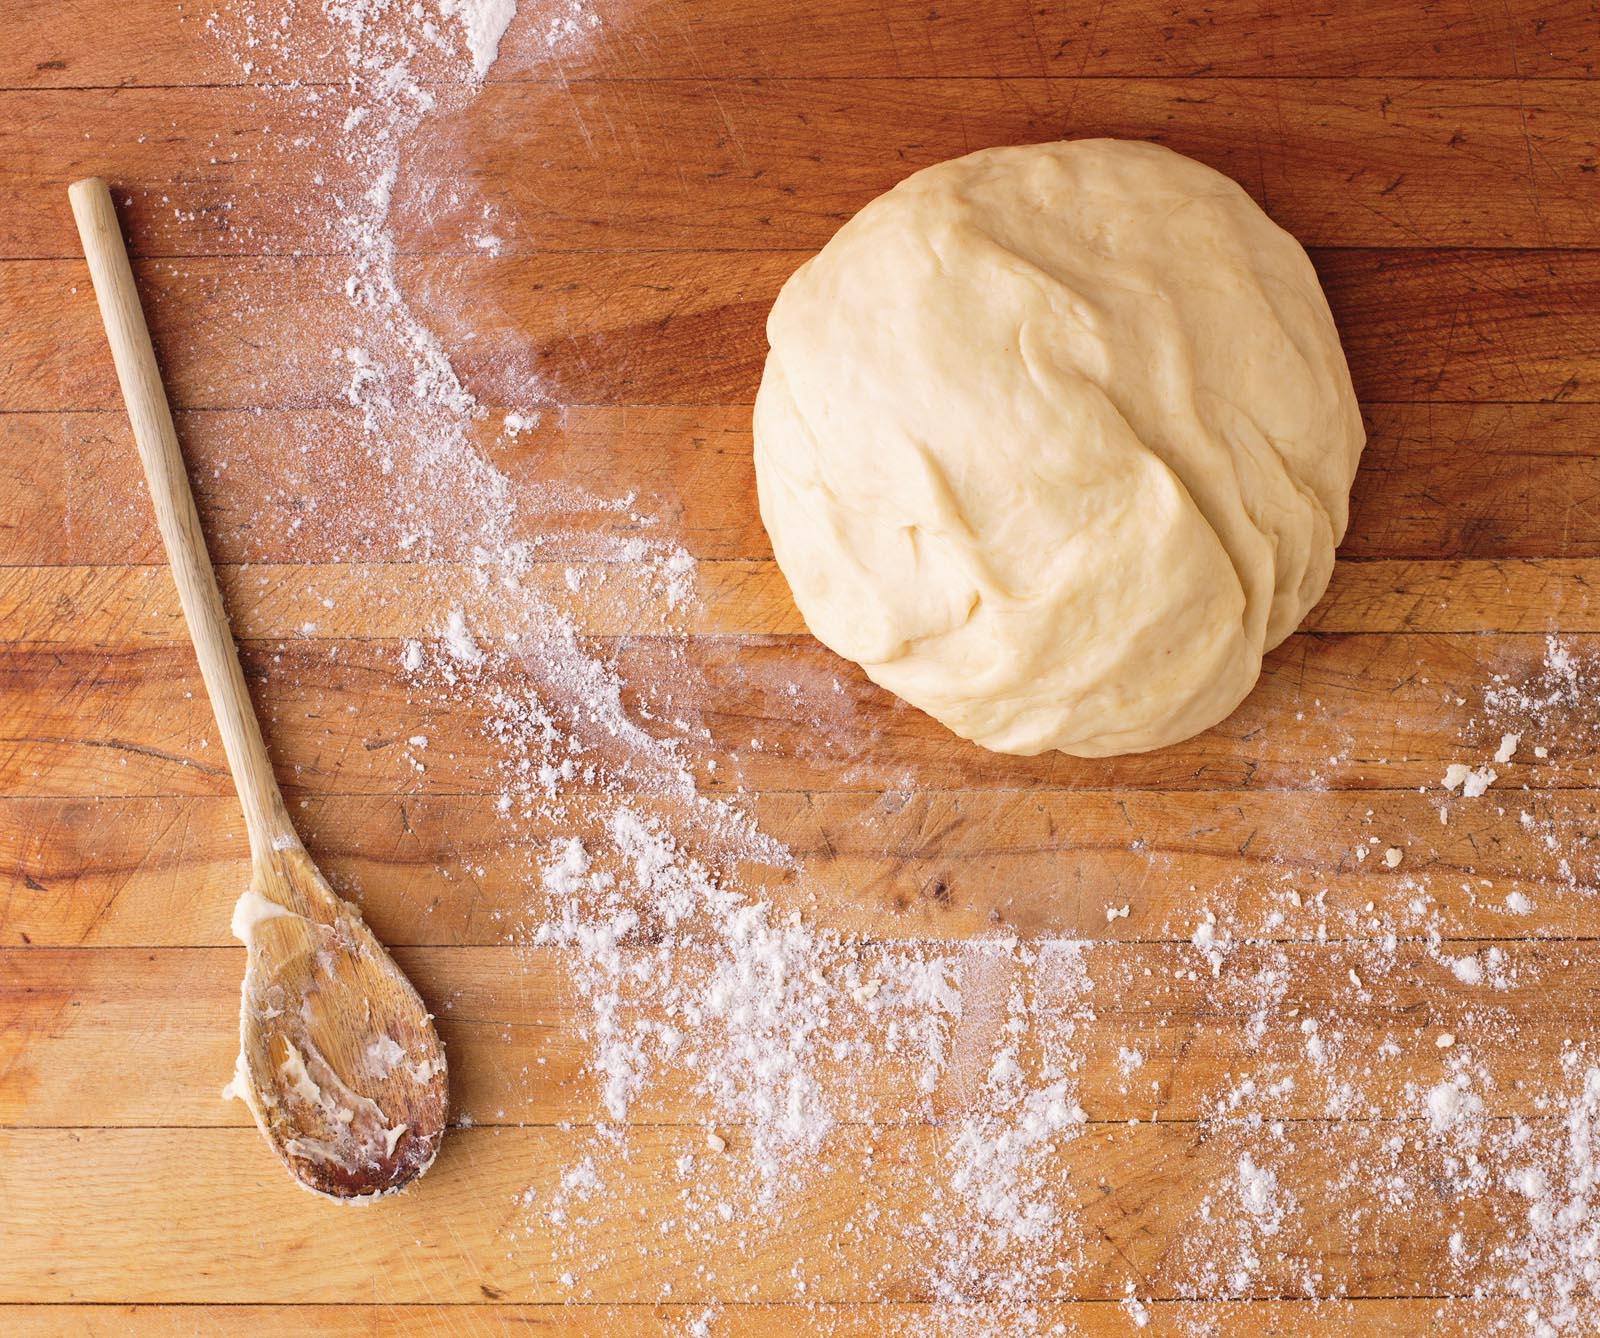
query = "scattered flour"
x=1258 y=1194
x=459 y=641
x=1472 y=782
x=486 y=22
x=805 y=1048
x=1451 y=1106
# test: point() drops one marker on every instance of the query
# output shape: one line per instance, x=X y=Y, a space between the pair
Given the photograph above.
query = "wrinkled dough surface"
x=1056 y=442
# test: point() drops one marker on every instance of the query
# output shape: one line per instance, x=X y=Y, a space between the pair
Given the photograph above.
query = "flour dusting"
x=486 y=22
x=1317 y=1061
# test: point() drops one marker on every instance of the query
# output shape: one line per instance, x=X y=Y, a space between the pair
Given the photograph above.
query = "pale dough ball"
x=1056 y=442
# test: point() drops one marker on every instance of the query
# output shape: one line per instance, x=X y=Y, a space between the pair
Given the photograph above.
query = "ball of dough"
x=1056 y=442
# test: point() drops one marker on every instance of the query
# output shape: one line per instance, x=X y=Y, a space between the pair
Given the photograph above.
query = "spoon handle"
x=266 y=818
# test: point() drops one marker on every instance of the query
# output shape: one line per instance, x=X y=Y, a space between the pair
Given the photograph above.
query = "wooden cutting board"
x=1439 y=160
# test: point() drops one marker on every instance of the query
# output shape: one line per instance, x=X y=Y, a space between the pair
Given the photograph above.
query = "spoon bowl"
x=338 y=1058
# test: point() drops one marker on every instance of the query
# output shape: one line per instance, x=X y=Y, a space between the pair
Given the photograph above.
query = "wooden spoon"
x=339 y=1061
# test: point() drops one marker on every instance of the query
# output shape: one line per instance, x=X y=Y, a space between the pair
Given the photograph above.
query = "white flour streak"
x=954 y=1098
x=486 y=22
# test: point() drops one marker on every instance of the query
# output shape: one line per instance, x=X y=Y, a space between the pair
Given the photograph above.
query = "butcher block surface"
x=1440 y=159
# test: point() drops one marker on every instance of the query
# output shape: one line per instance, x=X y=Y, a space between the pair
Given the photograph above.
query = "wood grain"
x=364 y=602
x=448 y=1244
x=675 y=328
x=1141 y=1184
x=1381 y=162
x=1404 y=1318
x=1442 y=481
x=904 y=39
x=1363 y=711
x=74 y=1048
x=431 y=869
